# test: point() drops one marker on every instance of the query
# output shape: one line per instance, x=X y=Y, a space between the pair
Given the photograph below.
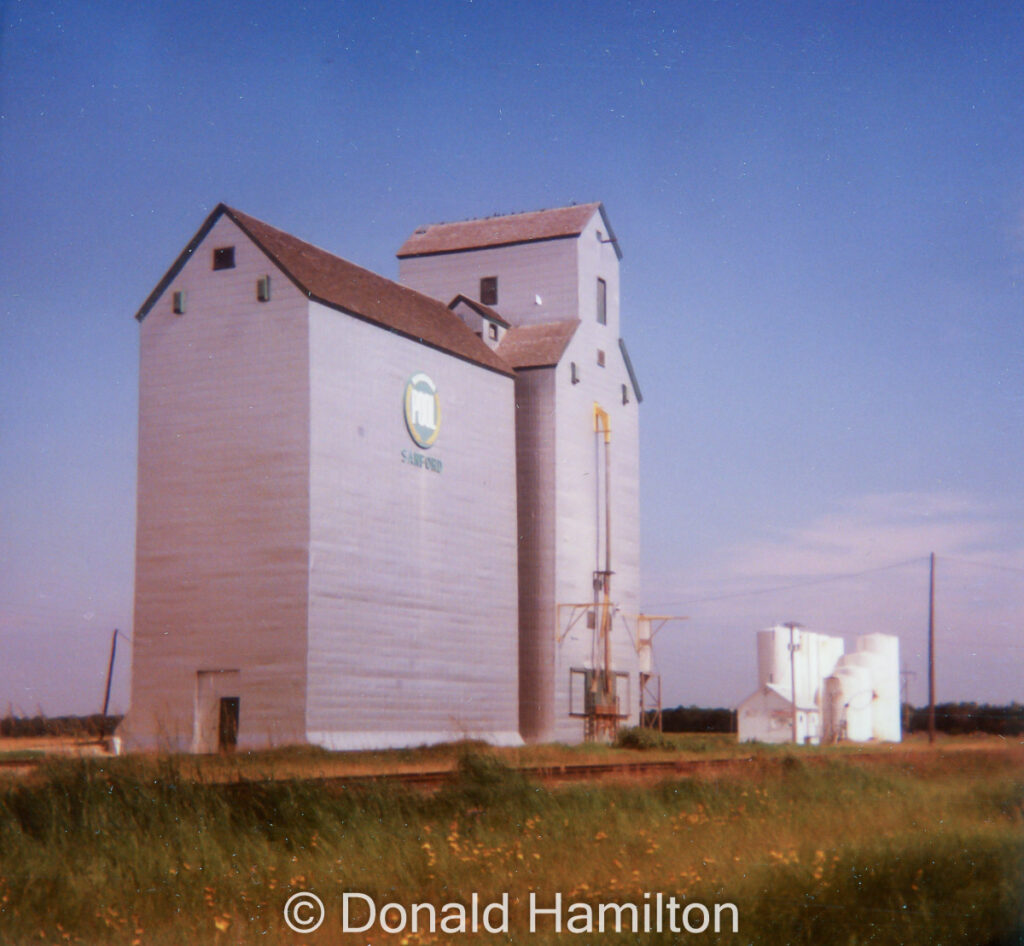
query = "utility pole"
x=110 y=675
x=792 y=625
x=906 y=675
x=931 y=649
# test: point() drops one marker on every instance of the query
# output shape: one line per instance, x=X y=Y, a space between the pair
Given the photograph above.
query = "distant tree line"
x=959 y=718
x=952 y=718
x=698 y=719
x=75 y=726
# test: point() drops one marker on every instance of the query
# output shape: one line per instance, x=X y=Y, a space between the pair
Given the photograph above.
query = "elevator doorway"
x=217 y=711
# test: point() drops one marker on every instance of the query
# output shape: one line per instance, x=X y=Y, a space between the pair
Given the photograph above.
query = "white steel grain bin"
x=850 y=698
x=885 y=714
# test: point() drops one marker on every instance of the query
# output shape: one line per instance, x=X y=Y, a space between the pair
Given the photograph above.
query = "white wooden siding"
x=221 y=560
x=413 y=591
x=525 y=271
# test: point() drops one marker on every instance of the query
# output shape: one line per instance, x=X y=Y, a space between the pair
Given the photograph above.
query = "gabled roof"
x=341 y=285
x=537 y=346
x=530 y=227
x=484 y=311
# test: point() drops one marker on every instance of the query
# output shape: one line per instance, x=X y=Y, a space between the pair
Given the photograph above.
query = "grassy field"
x=812 y=846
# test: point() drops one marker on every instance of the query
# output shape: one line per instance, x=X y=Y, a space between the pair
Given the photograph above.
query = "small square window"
x=224 y=257
x=489 y=290
x=600 y=358
x=178 y=302
x=602 y=302
x=492 y=331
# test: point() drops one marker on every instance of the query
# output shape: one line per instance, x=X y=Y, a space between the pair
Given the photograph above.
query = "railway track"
x=561 y=773
x=550 y=774
x=18 y=765
x=545 y=774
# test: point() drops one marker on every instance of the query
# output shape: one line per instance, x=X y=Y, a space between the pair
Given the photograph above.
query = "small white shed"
x=767 y=716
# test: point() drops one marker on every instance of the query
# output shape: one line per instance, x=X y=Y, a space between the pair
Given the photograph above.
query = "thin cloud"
x=863 y=533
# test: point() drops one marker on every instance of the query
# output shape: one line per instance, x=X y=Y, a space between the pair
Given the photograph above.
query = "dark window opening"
x=574 y=373
x=263 y=289
x=625 y=394
x=227 y=730
x=602 y=302
x=492 y=331
x=178 y=303
x=600 y=358
x=489 y=290
x=224 y=257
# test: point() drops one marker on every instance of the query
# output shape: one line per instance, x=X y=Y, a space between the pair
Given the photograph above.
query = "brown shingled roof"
x=502 y=231
x=537 y=346
x=341 y=285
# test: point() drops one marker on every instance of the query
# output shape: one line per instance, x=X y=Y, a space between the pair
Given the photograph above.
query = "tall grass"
x=812 y=850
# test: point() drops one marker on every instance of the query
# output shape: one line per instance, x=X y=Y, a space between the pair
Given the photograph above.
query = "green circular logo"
x=422 y=410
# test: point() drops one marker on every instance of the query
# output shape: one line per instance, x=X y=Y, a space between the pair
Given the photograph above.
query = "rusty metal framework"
x=647 y=627
x=650 y=700
x=602 y=709
x=602 y=722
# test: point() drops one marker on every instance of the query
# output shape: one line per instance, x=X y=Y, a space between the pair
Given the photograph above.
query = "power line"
x=968 y=561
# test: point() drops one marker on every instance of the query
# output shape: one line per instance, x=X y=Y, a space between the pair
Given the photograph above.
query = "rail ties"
x=546 y=774
x=554 y=774
x=432 y=778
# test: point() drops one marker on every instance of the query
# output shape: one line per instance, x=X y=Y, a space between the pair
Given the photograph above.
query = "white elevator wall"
x=413 y=587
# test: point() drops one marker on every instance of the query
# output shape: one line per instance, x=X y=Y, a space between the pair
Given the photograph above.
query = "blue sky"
x=821 y=207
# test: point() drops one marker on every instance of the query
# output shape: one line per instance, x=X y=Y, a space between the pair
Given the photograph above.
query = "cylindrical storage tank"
x=770 y=669
x=816 y=658
x=853 y=698
x=830 y=653
x=805 y=662
x=873 y=664
x=886 y=679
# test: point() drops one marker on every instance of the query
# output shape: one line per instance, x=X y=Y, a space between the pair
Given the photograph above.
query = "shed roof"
x=342 y=285
x=537 y=346
x=484 y=311
x=537 y=225
x=778 y=693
